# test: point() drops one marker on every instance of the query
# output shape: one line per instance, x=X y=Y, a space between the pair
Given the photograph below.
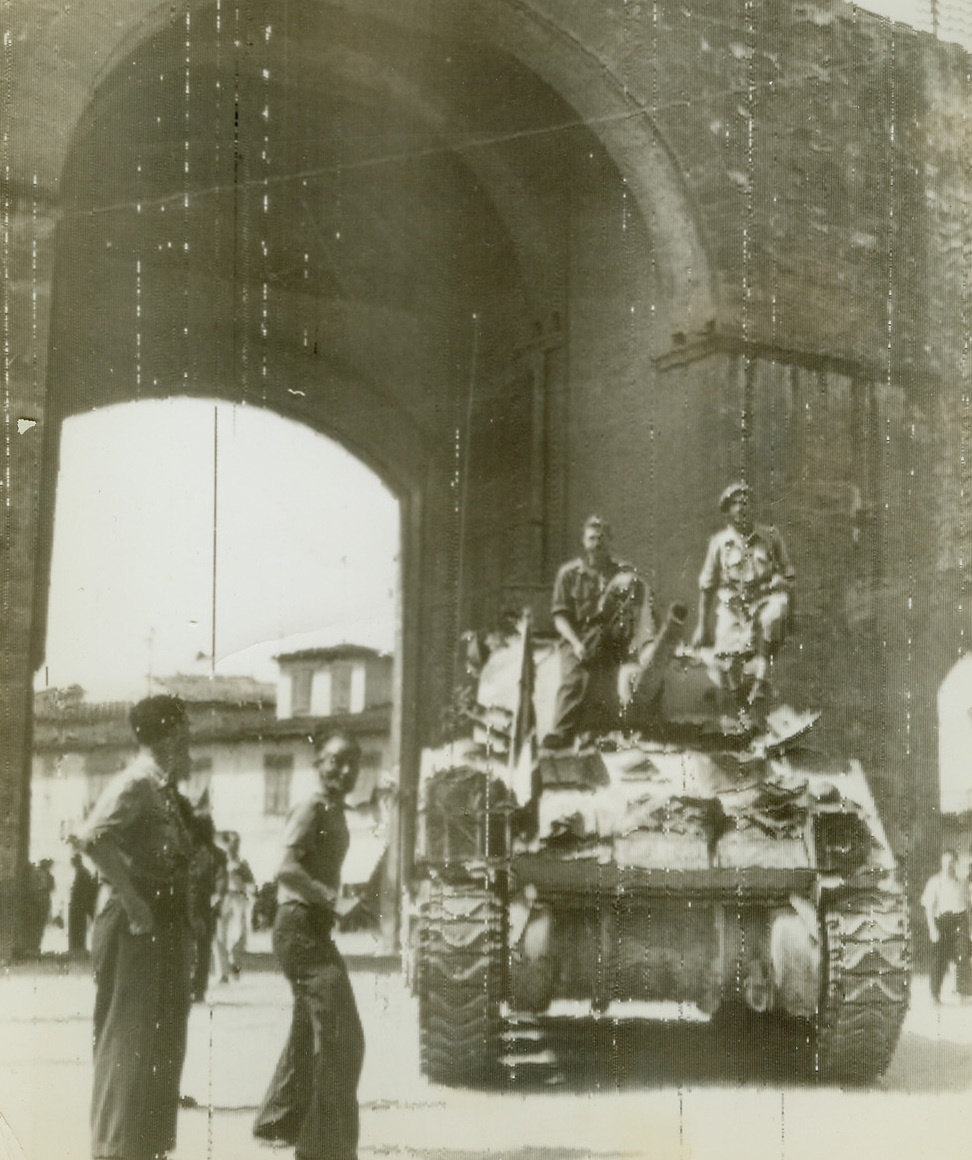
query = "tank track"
x=865 y=988
x=466 y=1035
x=461 y=983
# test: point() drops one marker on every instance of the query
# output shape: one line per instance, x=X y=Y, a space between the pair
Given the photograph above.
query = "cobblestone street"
x=631 y=1091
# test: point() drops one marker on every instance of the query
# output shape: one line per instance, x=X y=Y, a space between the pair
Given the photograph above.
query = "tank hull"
x=700 y=865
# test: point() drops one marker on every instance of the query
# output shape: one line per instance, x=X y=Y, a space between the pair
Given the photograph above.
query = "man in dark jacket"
x=208 y=880
x=81 y=905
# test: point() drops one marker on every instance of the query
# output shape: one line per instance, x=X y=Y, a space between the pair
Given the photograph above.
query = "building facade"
x=250 y=761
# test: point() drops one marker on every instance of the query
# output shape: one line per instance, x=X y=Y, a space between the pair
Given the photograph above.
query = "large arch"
x=421 y=237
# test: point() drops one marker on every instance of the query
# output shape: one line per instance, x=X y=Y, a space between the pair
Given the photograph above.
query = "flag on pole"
x=523 y=732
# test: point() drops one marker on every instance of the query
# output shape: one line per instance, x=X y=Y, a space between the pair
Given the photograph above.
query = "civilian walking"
x=945 y=902
x=234 y=911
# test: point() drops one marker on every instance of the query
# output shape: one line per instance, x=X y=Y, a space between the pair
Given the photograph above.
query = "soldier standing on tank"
x=745 y=589
x=597 y=604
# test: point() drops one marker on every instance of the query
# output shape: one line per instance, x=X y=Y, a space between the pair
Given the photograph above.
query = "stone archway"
x=408 y=237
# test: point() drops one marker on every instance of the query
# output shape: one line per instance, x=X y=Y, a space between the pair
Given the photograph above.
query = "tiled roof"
x=225 y=690
x=332 y=652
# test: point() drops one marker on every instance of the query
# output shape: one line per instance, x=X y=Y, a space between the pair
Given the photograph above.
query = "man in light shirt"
x=312 y=1103
x=945 y=901
x=745 y=593
x=139 y=838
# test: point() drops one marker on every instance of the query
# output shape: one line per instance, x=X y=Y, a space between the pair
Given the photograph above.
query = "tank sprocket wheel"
x=461 y=977
x=865 y=987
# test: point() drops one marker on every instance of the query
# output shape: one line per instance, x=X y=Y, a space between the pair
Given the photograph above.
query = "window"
x=357 y=688
x=369 y=774
x=340 y=687
x=300 y=695
x=278 y=770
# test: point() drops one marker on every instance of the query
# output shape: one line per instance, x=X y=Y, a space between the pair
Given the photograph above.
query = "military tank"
x=698 y=854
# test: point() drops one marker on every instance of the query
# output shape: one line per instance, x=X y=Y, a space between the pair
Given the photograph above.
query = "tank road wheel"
x=461 y=976
x=865 y=987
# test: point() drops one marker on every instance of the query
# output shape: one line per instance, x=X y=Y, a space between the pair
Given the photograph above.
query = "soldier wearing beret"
x=139 y=837
x=744 y=591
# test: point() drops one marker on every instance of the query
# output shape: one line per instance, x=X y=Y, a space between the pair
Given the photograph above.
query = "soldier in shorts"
x=744 y=593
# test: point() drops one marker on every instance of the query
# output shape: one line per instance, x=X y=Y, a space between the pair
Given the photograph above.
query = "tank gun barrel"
x=641 y=681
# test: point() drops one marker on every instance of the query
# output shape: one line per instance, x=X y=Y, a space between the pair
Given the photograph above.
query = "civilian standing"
x=312 y=1100
x=81 y=905
x=945 y=902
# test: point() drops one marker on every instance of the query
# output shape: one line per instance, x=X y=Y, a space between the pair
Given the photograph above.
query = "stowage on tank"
x=693 y=855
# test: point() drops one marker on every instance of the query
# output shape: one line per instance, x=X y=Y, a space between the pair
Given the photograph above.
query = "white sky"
x=307 y=541
x=954 y=16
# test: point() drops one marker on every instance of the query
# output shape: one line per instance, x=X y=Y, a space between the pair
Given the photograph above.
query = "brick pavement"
x=45 y=1080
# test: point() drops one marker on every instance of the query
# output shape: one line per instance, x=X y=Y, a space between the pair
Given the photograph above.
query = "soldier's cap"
x=597 y=522
x=153 y=717
x=730 y=493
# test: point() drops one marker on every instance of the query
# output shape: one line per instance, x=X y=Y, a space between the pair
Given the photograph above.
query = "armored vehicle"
x=699 y=855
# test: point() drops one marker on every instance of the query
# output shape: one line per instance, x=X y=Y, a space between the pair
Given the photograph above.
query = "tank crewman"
x=744 y=591
x=597 y=605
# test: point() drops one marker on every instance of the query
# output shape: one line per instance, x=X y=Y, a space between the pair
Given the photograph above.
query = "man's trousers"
x=141 y=1014
x=312 y=1100
x=952 y=947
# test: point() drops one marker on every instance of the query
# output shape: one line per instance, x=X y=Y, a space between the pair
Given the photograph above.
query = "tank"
x=697 y=854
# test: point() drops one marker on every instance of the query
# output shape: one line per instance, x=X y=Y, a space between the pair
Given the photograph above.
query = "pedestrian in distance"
x=234 y=910
x=81 y=905
x=208 y=882
x=138 y=836
x=945 y=903
x=312 y=1101
x=40 y=891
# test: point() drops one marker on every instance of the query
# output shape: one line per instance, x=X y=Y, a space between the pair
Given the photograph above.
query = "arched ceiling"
x=251 y=212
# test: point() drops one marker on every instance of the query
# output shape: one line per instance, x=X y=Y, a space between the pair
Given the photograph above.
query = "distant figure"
x=945 y=901
x=37 y=908
x=744 y=592
x=233 y=914
x=81 y=906
x=597 y=605
x=312 y=1100
x=138 y=837
x=208 y=877
x=264 y=907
